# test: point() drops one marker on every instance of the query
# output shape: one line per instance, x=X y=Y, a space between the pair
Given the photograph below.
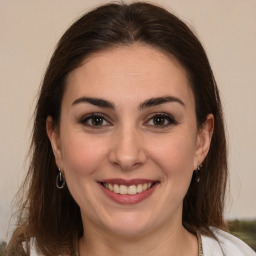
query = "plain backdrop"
x=29 y=33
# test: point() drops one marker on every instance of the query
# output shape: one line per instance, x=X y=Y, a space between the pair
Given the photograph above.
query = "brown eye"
x=95 y=120
x=161 y=120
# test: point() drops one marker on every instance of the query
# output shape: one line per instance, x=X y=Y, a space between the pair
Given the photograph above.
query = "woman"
x=128 y=148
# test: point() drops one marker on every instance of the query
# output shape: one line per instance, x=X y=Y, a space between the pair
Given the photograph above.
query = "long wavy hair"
x=51 y=216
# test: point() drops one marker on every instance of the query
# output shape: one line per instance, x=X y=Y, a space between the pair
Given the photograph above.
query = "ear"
x=203 y=143
x=54 y=137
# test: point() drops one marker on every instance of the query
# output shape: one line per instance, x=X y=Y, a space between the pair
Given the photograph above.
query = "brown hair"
x=52 y=216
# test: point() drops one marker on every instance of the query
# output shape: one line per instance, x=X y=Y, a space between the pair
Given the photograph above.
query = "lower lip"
x=128 y=199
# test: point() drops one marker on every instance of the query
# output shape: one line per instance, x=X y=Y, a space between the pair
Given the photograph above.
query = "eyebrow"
x=95 y=101
x=146 y=104
x=160 y=100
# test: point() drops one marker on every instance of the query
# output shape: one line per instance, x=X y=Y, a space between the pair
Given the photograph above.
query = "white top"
x=228 y=245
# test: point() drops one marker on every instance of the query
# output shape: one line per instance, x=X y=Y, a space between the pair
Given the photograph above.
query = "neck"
x=169 y=242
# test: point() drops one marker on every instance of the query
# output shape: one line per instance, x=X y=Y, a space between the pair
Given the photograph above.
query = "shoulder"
x=226 y=244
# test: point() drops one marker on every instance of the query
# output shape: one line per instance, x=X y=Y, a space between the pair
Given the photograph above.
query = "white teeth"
x=139 y=188
x=116 y=188
x=130 y=190
x=123 y=190
x=110 y=187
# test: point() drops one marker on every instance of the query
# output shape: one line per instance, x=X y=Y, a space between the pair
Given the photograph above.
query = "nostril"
x=127 y=153
x=126 y=165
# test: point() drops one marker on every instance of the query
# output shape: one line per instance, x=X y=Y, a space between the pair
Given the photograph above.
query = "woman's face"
x=128 y=140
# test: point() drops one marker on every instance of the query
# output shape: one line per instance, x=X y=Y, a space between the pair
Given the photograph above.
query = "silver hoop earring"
x=60 y=180
x=196 y=174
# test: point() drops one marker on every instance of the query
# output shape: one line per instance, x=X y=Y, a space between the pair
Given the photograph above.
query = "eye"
x=95 y=120
x=161 y=120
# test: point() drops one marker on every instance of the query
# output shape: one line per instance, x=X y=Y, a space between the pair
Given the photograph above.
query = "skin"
x=128 y=144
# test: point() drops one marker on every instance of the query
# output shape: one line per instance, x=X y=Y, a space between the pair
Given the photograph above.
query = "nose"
x=128 y=150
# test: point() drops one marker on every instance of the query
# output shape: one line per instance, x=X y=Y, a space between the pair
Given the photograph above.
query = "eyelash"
x=88 y=119
x=85 y=120
x=165 y=117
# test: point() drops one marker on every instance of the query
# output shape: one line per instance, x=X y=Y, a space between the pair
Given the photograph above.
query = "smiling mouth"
x=128 y=190
x=132 y=191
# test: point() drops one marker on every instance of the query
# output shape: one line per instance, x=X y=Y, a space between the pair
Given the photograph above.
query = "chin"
x=129 y=224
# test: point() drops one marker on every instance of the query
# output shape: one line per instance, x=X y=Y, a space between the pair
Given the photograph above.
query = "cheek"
x=82 y=158
x=177 y=149
x=81 y=154
x=176 y=158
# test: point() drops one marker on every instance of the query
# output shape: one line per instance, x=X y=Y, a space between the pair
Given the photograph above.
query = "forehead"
x=136 y=70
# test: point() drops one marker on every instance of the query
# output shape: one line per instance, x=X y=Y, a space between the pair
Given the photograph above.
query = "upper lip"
x=127 y=182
